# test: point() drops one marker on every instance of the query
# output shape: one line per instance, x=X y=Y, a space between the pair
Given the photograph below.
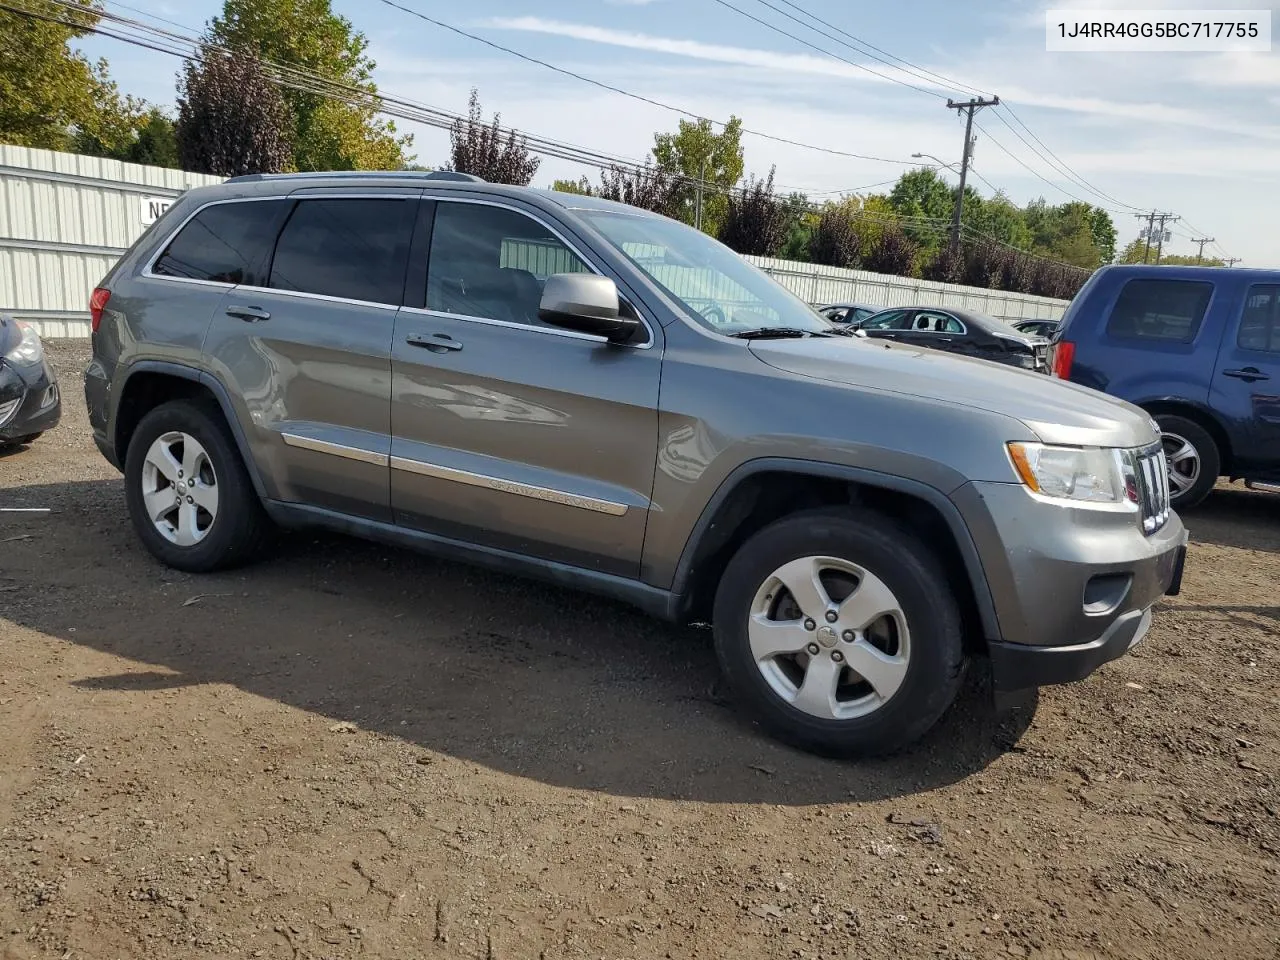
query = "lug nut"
x=191 y=500
x=809 y=625
x=179 y=474
x=831 y=616
x=813 y=649
x=847 y=636
x=837 y=656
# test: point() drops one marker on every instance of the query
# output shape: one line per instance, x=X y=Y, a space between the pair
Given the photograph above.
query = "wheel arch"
x=761 y=491
x=149 y=383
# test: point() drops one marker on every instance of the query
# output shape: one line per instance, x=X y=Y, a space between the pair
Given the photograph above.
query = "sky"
x=1195 y=134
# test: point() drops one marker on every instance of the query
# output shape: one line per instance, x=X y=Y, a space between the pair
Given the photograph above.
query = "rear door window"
x=1168 y=310
x=354 y=249
x=891 y=320
x=1260 y=322
x=223 y=243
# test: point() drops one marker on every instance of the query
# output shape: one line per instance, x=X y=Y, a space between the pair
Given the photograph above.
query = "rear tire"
x=769 y=642
x=189 y=494
x=1193 y=475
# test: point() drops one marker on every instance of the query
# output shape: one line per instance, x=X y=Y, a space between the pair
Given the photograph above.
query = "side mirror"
x=586 y=303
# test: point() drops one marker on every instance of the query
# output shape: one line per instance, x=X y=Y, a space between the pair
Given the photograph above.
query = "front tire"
x=1194 y=460
x=189 y=494
x=839 y=632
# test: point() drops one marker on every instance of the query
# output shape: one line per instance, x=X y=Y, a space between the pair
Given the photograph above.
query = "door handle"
x=1248 y=374
x=436 y=342
x=248 y=314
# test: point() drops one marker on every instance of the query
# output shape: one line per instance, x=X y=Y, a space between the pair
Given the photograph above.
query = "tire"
x=230 y=535
x=923 y=634
x=1186 y=488
x=29 y=438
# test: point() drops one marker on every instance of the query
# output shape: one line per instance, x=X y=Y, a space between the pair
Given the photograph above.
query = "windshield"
x=719 y=289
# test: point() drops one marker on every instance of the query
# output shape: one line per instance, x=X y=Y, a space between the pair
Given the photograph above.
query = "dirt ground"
x=349 y=750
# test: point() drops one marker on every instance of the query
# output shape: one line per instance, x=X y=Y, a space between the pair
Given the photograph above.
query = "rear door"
x=509 y=432
x=937 y=330
x=887 y=325
x=309 y=349
x=1246 y=382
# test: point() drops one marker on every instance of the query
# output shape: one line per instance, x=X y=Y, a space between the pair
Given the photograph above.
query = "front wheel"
x=839 y=633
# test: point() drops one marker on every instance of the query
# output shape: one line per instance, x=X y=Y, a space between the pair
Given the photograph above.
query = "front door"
x=507 y=431
x=1246 y=383
x=309 y=350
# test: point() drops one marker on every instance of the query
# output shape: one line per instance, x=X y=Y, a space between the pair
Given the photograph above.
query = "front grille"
x=1153 y=488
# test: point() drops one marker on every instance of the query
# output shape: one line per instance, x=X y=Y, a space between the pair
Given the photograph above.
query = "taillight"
x=97 y=301
x=1064 y=351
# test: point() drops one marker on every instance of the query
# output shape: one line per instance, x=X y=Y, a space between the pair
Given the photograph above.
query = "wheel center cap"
x=182 y=487
x=827 y=636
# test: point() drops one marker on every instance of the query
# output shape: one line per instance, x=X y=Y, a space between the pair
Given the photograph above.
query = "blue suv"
x=1196 y=347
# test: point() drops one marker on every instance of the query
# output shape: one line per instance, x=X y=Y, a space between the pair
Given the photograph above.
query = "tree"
x=647 y=187
x=801 y=222
x=1066 y=233
x=756 y=222
x=327 y=133
x=891 y=252
x=232 y=119
x=697 y=154
x=580 y=186
x=835 y=241
x=1104 y=234
x=149 y=139
x=51 y=97
x=925 y=202
x=1134 y=251
x=481 y=149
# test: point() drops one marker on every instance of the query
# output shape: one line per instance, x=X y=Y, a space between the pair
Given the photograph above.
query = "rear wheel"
x=1194 y=460
x=839 y=633
x=189 y=495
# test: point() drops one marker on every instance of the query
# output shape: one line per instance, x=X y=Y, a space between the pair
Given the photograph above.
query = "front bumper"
x=1072 y=587
x=37 y=396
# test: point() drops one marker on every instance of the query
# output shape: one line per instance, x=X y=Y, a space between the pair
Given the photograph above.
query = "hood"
x=1057 y=411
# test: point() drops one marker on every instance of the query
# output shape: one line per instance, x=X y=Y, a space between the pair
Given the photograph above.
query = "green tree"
x=801 y=222
x=580 y=186
x=925 y=203
x=1104 y=234
x=51 y=97
x=999 y=218
x=697 y=153
x=327 y=134
x=145 y=136
x=1134 y=251
x=1064 y=233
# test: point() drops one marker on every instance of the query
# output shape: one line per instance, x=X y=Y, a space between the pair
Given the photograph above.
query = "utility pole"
x=1230 y=261
x=967 y=107
x=1146 y=235
x=697 y=210
x=1200 y=252
x=1163 y=218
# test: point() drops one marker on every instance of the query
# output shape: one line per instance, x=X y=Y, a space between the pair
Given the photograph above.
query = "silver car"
x=562 y=387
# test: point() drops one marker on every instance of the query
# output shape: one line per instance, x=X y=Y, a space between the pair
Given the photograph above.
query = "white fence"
x=65 y=219
x=817 y=285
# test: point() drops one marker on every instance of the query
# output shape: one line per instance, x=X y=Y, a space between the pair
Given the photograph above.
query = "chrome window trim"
x=441 y=197
x=533 y=491
x=304 y=295
x=512 y=325
x=336 y=449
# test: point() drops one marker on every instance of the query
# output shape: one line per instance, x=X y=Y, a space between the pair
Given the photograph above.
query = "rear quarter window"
x=224 y=243
x=1169 y=311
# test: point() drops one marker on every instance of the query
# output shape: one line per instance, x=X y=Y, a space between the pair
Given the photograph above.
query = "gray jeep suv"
x=563 y=387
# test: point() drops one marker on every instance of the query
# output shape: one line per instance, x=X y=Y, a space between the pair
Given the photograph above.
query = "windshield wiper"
x=779 y=333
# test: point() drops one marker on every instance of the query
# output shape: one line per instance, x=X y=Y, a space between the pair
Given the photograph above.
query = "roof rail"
x=361 y=174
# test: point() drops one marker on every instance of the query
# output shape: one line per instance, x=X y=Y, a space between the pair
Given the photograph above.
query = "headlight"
x=1090 y=475
x=29 y=350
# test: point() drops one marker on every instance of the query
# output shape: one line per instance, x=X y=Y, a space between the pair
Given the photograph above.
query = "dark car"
x=849 y=314
x=1198 y=349
x=1037 y=328
x=959 y=331
x=29 y=402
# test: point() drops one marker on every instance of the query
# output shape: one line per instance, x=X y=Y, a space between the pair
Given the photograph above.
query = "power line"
x=1056 y=161
x=813 y=46
x=916 y=70
x=627 y=93
x=1028 y=168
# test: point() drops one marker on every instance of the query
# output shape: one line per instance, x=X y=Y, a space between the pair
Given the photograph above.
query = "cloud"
x=717 y=53
x=1237 y=70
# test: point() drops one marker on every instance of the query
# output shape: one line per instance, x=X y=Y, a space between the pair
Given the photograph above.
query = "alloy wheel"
x=180 y=488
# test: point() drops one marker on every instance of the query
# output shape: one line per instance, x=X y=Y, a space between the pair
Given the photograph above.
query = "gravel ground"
x=349 y=750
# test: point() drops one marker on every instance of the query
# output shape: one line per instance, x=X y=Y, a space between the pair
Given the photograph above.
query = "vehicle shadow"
x=1235 y=517
x=521 y=677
